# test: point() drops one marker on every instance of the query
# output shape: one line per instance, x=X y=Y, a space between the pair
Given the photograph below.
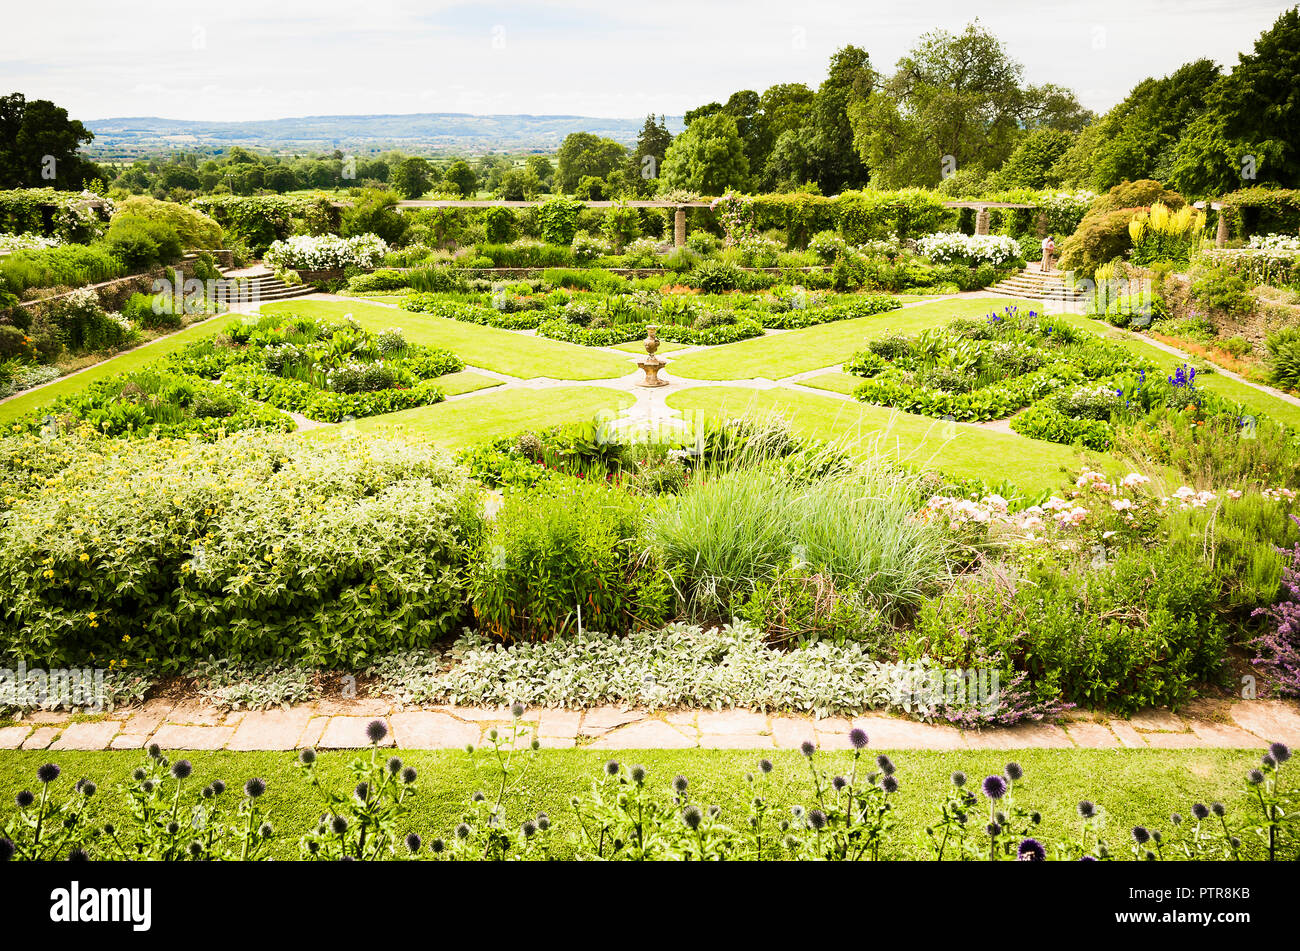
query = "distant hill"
x=425 y=132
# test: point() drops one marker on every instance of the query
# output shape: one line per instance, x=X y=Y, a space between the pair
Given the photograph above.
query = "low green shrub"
x=564 y=557
x=255 y=548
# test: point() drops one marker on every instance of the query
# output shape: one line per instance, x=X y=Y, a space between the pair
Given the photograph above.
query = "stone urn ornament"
x=651 y=364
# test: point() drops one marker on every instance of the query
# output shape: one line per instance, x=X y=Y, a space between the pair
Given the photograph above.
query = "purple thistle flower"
x=1280 y=752
x=1031 y=850
x=858 y=737
x=995 y=787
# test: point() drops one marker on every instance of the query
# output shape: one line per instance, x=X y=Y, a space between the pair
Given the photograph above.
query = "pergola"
x=679 y=208
x=982 y=213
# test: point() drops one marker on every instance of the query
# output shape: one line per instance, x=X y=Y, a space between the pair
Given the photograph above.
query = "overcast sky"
x=264 y=59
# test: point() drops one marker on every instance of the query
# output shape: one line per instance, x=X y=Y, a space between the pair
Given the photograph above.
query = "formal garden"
x=840 y=518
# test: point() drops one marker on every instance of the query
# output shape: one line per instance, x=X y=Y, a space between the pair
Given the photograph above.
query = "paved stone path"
x=341 y=724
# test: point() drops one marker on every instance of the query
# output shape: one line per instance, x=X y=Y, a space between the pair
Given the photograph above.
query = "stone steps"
x=263 y=287
x=1036 y=285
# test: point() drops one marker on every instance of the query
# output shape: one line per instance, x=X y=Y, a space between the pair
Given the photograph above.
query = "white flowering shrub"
x=310 y=252
x=1282 y=243
x=953 y=247
x=26 y=242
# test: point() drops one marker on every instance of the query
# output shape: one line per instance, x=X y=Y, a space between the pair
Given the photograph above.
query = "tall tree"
x=1137 y=137
x=651 y=146
x=955 y=95
x=40 y=145
x=833 y=161
x=584 y=154
x=1249 y=131
x=708 y=158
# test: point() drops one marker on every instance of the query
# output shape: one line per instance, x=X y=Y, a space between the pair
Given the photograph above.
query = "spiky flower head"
x=611 y=768
x=339 y=825
x=817 y=819
x=858 y=737
x=838 y=783
x=254 y=787
x=808 y=748
x=48 y=773
x=543 y=821
x=638 y=774
x=765 y=765
x=307 y=757
x=413 y=843
x=1254 y=777
x=155 y=751
x=680 y=784
x=995 y=787
x=408 y=775
x=218 y=786
x=394 y=765
x=6 y=850
x=959 y=779
x=886 y=764
x=1014 y=772
x=1280 y=752
x=182 y=769
x=1199 y=810
x=1086 y=809
x=24 y=799
x=1031 y=850
x=376 y=730
x=889 y=784
x=517 y=710
x=1218 y=809
x=1141 y=835
x=88 y=788
x=692 y=816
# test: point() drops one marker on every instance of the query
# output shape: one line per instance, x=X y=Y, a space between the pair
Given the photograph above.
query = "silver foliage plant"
x=678 y=665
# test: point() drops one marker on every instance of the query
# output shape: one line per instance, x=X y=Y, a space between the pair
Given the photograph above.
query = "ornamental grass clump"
x=741 y=522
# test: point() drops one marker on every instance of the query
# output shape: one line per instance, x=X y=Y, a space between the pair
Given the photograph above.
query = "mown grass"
x=776 y=356
x=1135 y=787
x=486 y=347
x=958 y=449
x=480 y=419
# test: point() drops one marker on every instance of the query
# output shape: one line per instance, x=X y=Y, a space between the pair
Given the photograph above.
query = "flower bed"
x=982 y=370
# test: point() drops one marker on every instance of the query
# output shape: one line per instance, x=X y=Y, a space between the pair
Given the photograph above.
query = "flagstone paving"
x=341 y=724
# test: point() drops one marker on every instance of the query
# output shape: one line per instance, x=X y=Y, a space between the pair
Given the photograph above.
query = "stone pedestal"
x=1221 y=236
x=679 y=228
x=982 y=221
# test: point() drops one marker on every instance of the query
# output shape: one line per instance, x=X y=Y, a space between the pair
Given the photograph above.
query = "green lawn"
x=1135 y=787
x=1248 y=396
x=481 y=419
x=779 y=355
x=487 y=347
x=125 y=363
x=958 y=449
x=466 y=381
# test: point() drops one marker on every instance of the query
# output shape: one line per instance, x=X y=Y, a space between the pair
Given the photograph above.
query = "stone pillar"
x=1042 y=224
x=1221 y=237
x=679 y=228
x=982 y=220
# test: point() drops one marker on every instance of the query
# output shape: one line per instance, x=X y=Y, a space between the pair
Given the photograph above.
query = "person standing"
x=1049 y=248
